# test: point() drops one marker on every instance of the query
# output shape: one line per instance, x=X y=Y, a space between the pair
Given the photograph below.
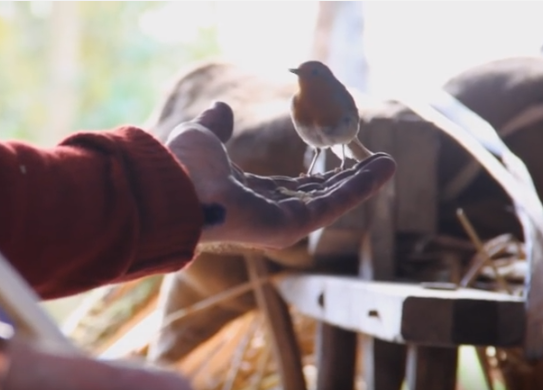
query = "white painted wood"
x=406 y=313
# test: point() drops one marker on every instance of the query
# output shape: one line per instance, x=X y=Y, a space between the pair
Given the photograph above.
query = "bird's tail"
x=358 y=150
x=354 y=150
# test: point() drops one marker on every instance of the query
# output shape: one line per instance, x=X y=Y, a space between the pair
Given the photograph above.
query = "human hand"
x=32 y=369
x=266 y=212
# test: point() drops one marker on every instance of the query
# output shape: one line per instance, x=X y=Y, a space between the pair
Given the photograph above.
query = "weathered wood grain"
x=431 y=368
x=383 y=362
x=279 y=323
x=408 y=313
x=480 y=139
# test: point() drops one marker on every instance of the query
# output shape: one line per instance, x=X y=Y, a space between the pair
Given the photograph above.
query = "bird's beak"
x=293 y=70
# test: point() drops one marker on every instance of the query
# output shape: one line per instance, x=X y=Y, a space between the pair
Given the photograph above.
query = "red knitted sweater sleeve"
x=100 y=208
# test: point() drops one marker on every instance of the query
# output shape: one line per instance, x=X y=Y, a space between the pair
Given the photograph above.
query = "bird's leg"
x=315 y=156
x=342 y=166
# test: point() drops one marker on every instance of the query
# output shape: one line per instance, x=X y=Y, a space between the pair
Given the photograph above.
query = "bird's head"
x=313 y=73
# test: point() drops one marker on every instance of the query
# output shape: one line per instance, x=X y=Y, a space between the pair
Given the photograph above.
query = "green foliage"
x=22 y=73
x=120 y=70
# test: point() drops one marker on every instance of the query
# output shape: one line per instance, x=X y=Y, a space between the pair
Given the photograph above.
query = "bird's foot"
x=307 y=174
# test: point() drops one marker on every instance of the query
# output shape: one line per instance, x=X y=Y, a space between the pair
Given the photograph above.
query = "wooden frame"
x=409 y=331
x=408 y=313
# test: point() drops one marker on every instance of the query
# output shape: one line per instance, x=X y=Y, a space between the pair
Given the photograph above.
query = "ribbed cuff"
x=170 y=214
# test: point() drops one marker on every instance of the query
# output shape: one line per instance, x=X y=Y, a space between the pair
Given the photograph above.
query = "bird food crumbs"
x=304 y=196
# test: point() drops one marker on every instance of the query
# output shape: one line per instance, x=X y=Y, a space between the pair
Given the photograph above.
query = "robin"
x=324 y=113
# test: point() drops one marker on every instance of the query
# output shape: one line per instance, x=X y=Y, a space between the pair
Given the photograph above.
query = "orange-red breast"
x=323 y=112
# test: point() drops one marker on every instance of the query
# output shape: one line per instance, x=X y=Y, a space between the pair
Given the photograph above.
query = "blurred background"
x=93 y=65
x=70 y=66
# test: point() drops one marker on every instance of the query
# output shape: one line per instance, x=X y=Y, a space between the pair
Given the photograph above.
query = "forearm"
x=101 y=207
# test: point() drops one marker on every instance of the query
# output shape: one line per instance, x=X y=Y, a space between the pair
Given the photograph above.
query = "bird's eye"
x=315 y=72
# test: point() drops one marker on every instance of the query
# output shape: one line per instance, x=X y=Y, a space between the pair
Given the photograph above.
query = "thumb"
x=219 y=119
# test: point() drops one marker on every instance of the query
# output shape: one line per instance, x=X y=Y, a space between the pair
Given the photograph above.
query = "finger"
x=323 y=210
x=351 y=192
x=201 y=152
x=315 y=191
x=269 y=183
x=328 y=183
x=331 y=177
x=283 y=222
x=280 y=187
x=334 y=180
x=307 y=183
x=219 y=118
x=238 y=173
x=311 y=187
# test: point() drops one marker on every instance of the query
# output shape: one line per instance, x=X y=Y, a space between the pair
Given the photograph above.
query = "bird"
x=324 y=113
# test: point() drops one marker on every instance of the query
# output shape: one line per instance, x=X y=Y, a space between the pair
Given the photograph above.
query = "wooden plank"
x=417 y=148
x=408 y=313
x=429 y=364
x=336 y=358
x=336 y=348
x=279 y=323
x=416 y=154
x=430 y=368
x=383 y=362
x=377 y=253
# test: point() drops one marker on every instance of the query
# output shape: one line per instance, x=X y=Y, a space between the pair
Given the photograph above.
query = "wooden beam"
x=337 y=357
x=383 y=362
x=378 y=241
x=336 y=348
x=408 y=313
x=416 y=178
x=279 y=323
x=430 y=368
x=427 y=367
